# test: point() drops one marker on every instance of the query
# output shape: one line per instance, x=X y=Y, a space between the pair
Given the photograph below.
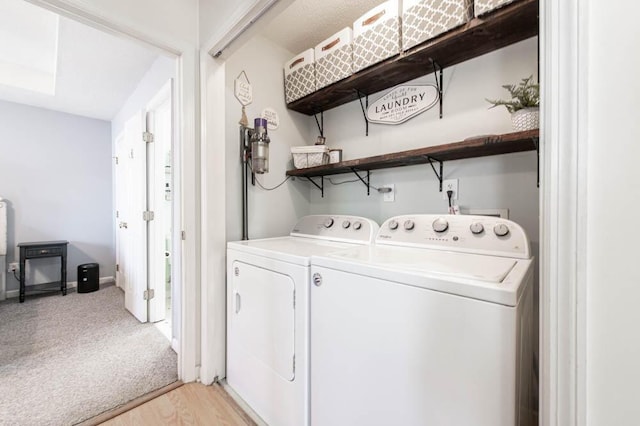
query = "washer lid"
x=296 y=250
x=489 y=278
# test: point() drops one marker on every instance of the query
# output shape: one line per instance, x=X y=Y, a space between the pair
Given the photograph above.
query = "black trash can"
x=88 y=277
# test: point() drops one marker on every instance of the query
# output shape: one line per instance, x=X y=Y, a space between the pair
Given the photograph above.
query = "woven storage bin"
x=300 y=76
x=486 y=6
x=376 y=35
x=334 y=58
x=425 y=19
x=309 y=156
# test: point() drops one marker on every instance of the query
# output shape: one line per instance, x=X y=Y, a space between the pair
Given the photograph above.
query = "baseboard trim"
x=70 y=285
x=108 y=415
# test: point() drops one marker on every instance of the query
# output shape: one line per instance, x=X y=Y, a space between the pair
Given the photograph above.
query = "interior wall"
x=271 y=213
x=56 y=177
x=613 y=193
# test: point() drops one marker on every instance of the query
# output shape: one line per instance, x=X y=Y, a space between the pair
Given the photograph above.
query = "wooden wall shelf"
x=470 y=148
x=498 y=29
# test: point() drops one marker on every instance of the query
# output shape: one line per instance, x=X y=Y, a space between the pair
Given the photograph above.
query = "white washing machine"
x=268 y=284
x=431 y=325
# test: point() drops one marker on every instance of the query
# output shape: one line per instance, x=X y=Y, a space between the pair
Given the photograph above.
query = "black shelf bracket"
x=536 y=142
x=320 y=187
x=438 y=74
x=365 y=182
x=320 y=123
x=438 y=175
x=364 y=108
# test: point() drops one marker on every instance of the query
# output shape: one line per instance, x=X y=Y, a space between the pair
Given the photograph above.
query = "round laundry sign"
x=403 y=103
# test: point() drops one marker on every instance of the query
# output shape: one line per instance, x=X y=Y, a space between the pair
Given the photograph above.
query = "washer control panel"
x=337 y=228
x=471 y=234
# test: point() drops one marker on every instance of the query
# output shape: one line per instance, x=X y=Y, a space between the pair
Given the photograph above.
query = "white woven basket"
x=309 y=156
x=526 y=119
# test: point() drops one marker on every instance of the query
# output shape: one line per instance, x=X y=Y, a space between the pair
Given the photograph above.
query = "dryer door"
x=263 y=316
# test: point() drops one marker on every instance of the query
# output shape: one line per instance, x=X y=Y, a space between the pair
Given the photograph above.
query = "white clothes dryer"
x=268 y=284
x=431 y=325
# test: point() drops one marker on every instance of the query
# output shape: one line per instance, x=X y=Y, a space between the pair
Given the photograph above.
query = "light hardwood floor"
x=190 y=404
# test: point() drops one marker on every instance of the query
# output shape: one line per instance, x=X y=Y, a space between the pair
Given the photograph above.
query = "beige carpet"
x=67 y=359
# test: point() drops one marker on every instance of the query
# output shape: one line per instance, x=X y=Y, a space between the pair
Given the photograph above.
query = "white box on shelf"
x=309 y=156
x=334 y=58
x=486 y=6
x=300 y=76
x=376 y=35
x=423 y=20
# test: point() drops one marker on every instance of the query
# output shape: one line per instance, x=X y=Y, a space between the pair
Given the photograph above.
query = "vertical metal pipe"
x=244 y=141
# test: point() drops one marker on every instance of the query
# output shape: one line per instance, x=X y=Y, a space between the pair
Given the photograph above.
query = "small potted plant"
x=524 y=104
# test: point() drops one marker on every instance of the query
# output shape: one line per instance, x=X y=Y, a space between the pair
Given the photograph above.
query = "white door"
x=122 y=169
x=134 y=256
x=159 y=124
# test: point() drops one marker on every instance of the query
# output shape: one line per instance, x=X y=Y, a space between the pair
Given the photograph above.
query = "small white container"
x=334 y=58
x=300 y=76
x=486 y=6
x=309 y=156
x=376 y=35
x=423 y=20
x=335 y=156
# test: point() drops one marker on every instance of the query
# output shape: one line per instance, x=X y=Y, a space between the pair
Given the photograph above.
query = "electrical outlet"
x=390 y=196
x=13 y=267
x=450 y=185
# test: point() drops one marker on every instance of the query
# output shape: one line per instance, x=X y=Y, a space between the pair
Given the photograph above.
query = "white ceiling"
x=306 y=23
x=96 y=72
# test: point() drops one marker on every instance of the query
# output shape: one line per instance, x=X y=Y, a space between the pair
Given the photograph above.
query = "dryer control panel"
x=353 y=229
x=469 y=234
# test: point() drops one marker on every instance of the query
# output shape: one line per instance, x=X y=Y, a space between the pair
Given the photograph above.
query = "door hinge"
x=131 y=154
x=148 y=216
x=149 y=294
x=117 y=214
x=294 y=299
x=117 y=268
x=116 y=160
x=183 y=235
x=147 y=137
x=294 y=364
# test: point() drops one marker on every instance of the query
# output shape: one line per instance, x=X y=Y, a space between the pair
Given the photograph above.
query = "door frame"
x=185 y=161
x=564 y=45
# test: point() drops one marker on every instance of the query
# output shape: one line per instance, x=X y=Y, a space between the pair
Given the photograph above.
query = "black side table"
x=41 y=250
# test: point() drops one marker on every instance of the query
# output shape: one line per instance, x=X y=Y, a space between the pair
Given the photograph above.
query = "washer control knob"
x=476 y=228
x=328 y=223
x=393 y=225
x=409 y=225
x=346 y=224
x=357 y=225
x=440 y=224
x=501 y=230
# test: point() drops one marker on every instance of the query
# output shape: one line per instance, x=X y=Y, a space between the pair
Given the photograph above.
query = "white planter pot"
x=526 y=119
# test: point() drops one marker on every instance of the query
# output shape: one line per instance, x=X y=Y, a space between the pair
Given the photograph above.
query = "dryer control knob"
x=346 y=224
x=501 y=230
x=476 y=228
x=409 y=225
x=440 y=224
x=328 y=223
x=357 y=225
x=393 y=225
